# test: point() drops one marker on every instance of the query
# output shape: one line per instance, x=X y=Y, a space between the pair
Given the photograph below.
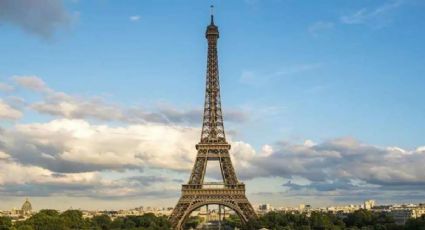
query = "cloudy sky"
x=100 y=100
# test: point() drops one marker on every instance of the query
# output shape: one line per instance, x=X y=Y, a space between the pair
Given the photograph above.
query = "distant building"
x=420 y=210
x=304 y=207
x=402 y=213
x=369 y=204
x=265 y=207
x=26 y=209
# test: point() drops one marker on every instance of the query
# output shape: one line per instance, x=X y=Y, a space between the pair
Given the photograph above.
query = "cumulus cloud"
x=78 y=146
x=21 y=180
x=39 y=17
x=72 y=146
x=7 y=112
x=13 y=172
x=340 y=165
x=73 y=107
x=31 y=82
x=77 y=151
x=195 y=115
x=16 y=179
x=5 y=87
x=69 y=154
x=63 y=105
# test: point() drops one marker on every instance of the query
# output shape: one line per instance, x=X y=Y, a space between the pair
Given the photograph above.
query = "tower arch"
x=200 y=204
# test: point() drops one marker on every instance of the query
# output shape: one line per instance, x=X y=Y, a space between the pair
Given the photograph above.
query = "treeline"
x=361 y=219
x=73 y=219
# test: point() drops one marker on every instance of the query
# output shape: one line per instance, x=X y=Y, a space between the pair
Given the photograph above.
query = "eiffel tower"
x=212 y=147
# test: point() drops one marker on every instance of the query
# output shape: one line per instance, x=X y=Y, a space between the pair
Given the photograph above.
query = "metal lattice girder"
x=213 y=146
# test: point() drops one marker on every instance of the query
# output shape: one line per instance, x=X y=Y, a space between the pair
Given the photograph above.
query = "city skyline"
x=101 y=102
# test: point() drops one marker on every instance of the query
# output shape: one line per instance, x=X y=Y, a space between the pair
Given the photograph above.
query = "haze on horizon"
x=100 y=101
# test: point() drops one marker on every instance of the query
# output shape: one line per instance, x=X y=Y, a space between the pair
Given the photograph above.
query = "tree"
x=49 y=212
x=73 y=219
x=192 y=222
x=44 y=220
x=25 y=227
x=102 y=221
x=233 y=221
x=123 y=223
x=320 y=221
x=359 y=218
x=296 y=221
x=416 y=224
x=374 y=220
x=128 y=224
x=118 y=223
x=5 y=223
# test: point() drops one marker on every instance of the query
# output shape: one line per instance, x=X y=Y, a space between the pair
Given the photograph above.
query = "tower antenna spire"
x=212 y=14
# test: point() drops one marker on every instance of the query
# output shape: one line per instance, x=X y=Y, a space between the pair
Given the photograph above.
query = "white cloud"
x=309 y=143
x=76 y=145
x=340 y=170
x=4 y=155
x=31 y=82
x=266 y=150
x=12 y=172
x=63 y=105
x=24 y=180
x=60 y=154
x=5 y=87
x=69 y=156
x=78 y=151
x=135 y=18
x=7 y=112
x=377 y=16
x=343 y=159
x=421 y=149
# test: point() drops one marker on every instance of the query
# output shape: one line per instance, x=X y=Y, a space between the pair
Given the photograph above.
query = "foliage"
x=280 y=220
x=367 y=219
x=102 y=221
x=233 y=221
x=416 y=224
x=361 y=219
x=73 y=219
x=5 y=223
x=147 y=221
x=44 y=220
x=192 y=222
x=25 y=227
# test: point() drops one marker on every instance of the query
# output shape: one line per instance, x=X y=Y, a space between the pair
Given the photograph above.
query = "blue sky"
x=293 y=73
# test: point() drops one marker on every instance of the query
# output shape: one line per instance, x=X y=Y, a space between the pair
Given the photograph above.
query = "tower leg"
x=219 y=216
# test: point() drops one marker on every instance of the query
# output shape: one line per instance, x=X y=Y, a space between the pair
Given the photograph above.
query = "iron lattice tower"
x=212 y=147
